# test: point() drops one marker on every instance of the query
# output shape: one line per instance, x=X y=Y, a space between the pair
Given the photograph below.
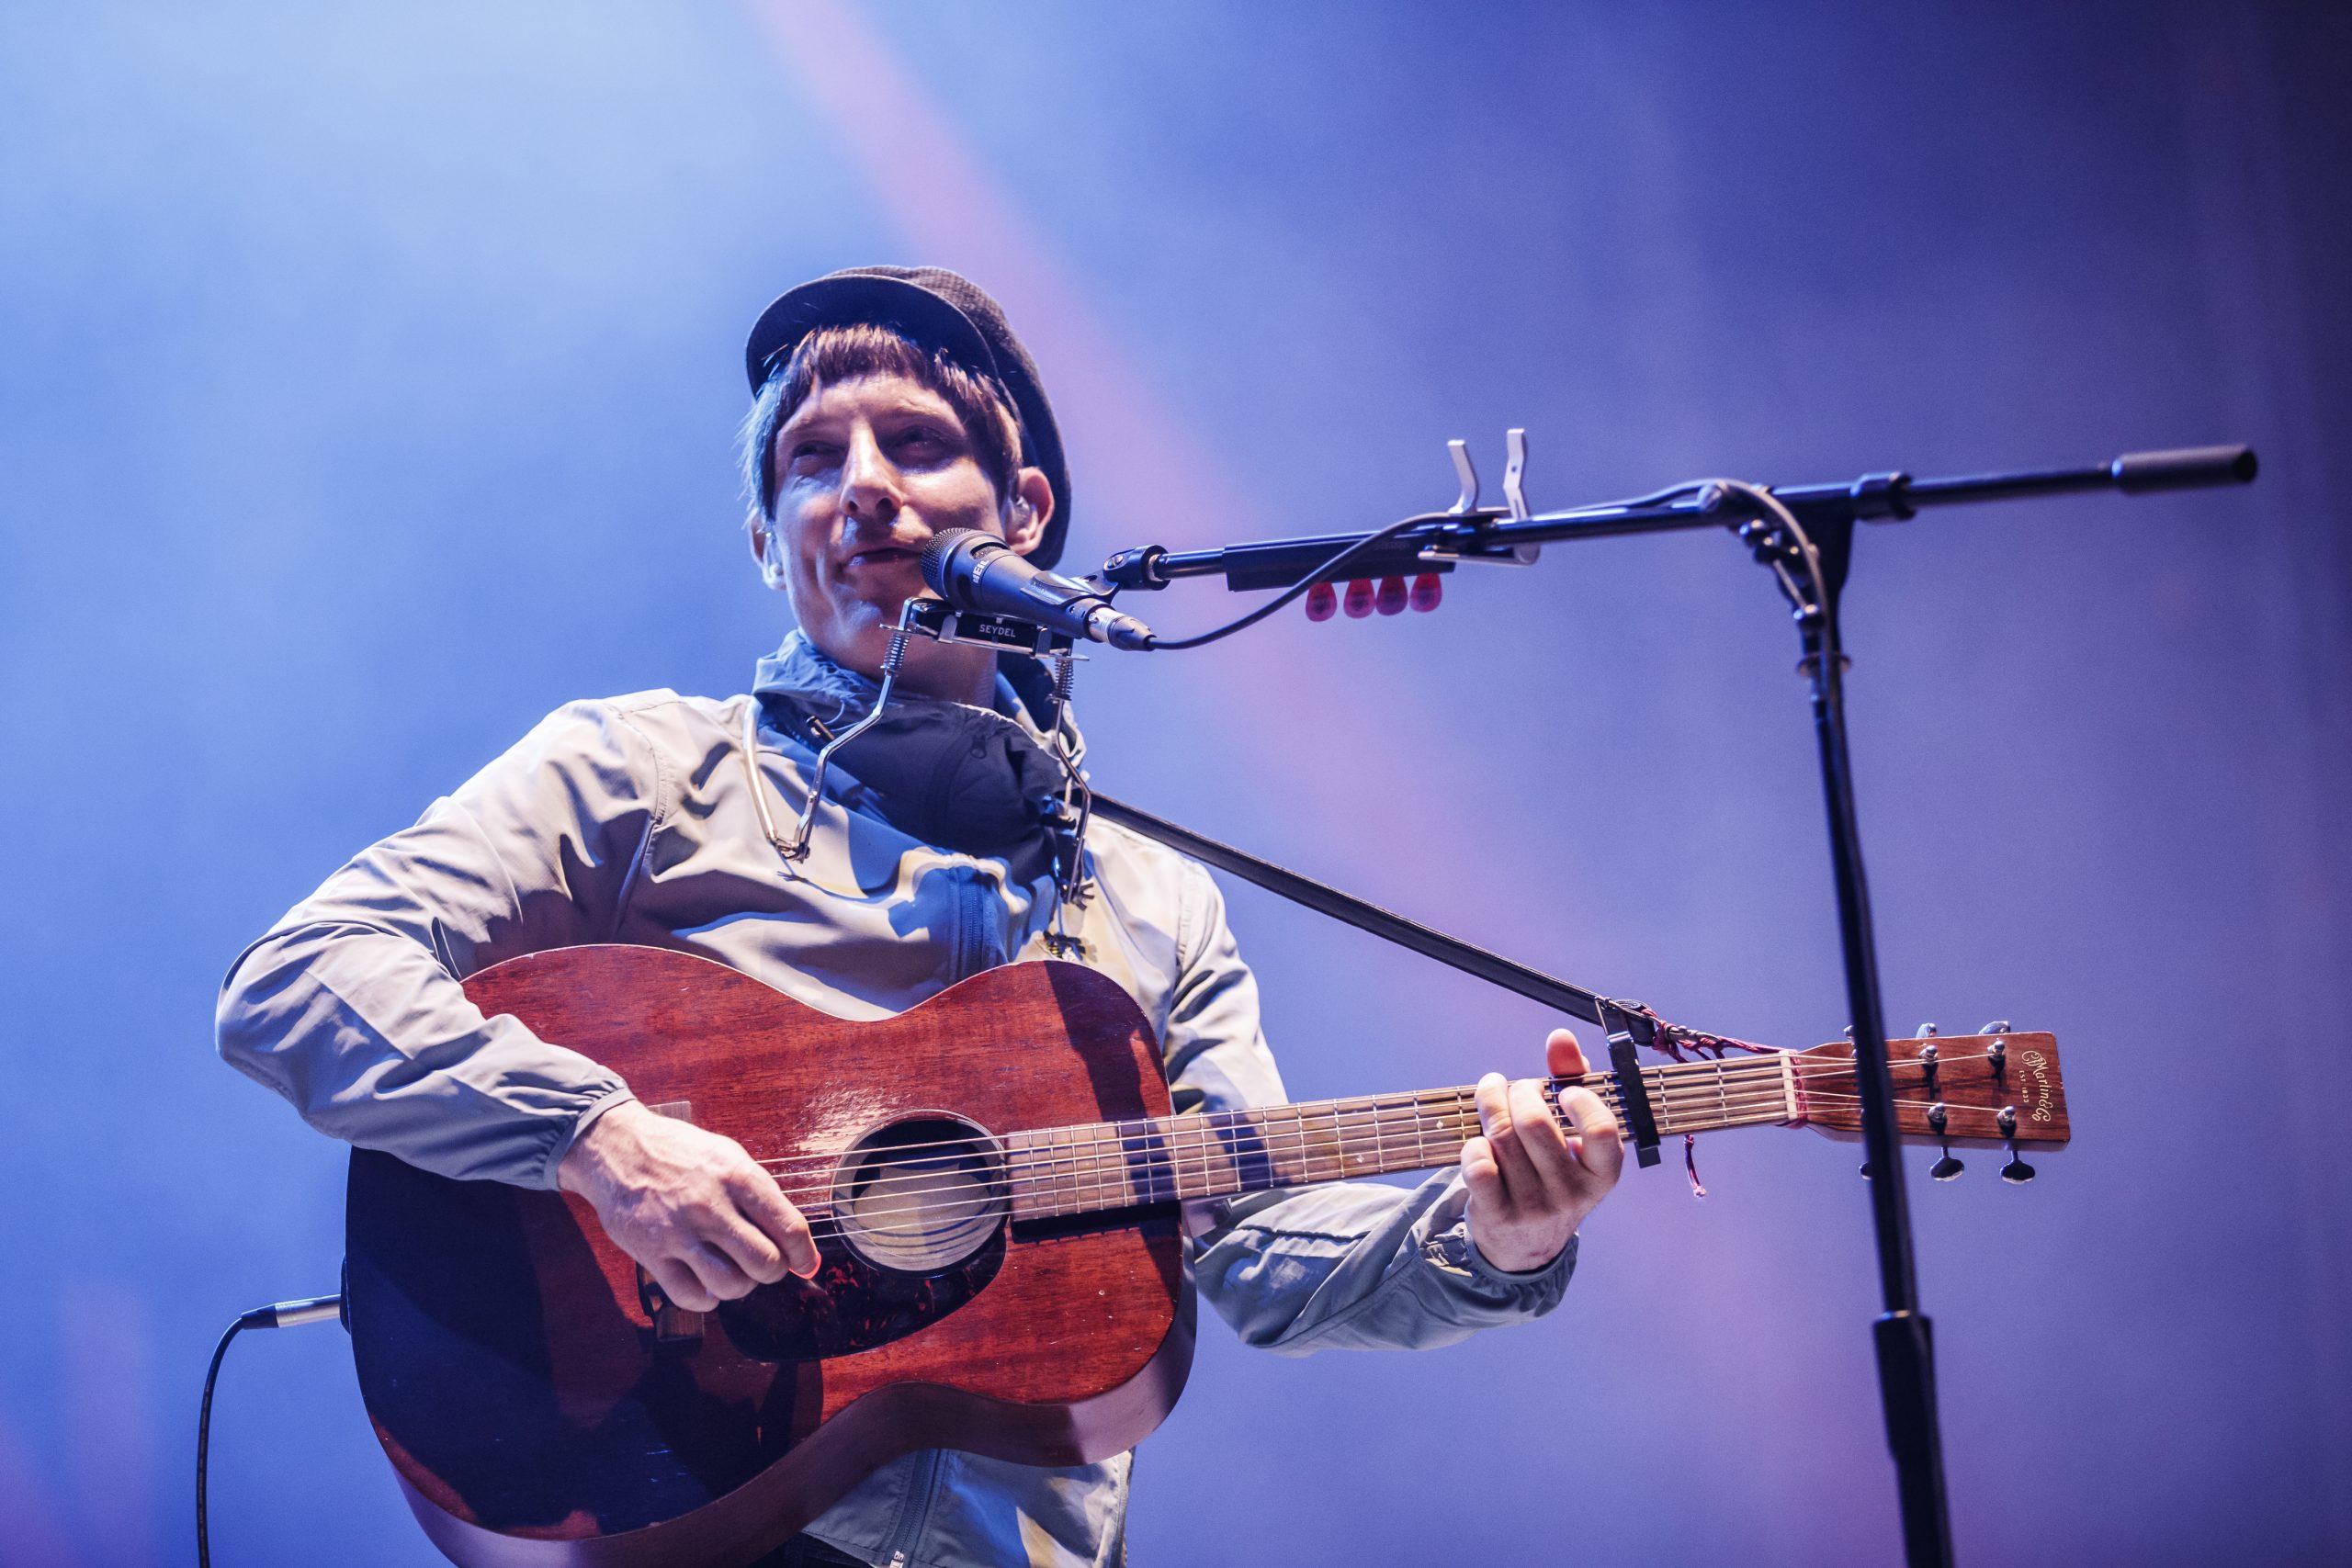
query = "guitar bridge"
x=675 y=1331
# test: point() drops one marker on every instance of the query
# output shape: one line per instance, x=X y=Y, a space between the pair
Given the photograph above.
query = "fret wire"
x=1109 y=1178
x=1069 y=1165
x=1054 y=1142
x=1200 y=1156
x=1085 y=1169
x=1081 y=1144
x=1062 y=1145
x=1062 y=1166
x=1204 y=1148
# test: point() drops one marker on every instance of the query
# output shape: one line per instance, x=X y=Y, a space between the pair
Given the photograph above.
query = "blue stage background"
x=367 y=377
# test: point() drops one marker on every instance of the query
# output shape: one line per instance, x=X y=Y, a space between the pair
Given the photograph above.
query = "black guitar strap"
x=1628 y=1024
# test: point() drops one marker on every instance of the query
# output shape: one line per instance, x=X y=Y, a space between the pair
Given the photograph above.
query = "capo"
x=1631 y=1092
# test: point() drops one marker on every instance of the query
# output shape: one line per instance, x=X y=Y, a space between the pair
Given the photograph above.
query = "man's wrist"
x=581 y=1166
x=1485 y=1264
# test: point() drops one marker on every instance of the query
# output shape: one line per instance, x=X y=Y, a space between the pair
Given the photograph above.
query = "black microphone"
x=979 y=573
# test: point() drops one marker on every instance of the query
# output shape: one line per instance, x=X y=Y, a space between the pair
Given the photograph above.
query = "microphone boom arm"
x=1436 y=541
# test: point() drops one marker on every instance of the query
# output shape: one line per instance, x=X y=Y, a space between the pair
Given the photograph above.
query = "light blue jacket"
x=639 y=820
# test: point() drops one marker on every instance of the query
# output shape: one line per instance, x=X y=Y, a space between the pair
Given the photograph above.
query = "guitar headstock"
x=1993 y=1089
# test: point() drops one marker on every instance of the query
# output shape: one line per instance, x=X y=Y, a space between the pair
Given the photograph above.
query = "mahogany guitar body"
x=543 y=1406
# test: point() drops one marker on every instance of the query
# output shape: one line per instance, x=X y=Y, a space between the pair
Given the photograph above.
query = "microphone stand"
x=1804 y=535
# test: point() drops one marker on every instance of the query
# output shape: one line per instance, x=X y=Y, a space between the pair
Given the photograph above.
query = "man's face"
x=866 y=472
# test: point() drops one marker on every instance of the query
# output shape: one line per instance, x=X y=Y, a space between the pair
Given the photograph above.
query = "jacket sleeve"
x=1355 y=1265
x=351 y=1006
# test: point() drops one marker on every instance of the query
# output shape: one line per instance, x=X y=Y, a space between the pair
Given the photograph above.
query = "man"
x=890 y=403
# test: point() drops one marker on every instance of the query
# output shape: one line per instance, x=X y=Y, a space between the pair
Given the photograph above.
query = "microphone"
x=980 y=574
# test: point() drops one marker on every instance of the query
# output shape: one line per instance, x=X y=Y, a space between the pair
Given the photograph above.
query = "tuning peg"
x=2000 y=1026
x=1322 y=603
x=1864 y=1170
x=2017 y=1173
x=1946 y=1169
x=1924 y=1032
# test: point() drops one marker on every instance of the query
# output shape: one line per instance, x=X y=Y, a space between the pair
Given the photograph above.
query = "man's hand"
x=1531 y=1183
x=705 y=1219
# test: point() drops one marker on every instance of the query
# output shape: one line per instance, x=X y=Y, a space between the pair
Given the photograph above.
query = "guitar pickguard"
x=850 y=1306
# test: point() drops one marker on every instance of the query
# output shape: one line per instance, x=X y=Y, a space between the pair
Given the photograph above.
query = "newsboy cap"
x=938 y=310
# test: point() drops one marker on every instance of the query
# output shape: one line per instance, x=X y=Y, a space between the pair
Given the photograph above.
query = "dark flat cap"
x=938 y=310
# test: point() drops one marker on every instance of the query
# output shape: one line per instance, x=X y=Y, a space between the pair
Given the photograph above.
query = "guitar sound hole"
x=921 y=1195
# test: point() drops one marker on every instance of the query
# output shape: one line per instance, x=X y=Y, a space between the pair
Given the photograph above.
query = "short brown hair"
x=869 y=348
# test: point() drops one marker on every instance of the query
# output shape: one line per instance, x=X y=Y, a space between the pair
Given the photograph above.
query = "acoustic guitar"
x=995 y=1181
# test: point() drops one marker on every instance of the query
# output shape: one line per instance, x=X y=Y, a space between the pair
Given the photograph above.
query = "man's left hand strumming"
x=1532 y=1182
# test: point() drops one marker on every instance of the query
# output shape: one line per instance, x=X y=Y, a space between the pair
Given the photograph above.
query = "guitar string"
x=1598 y=1082
x=1221 y=1121
x=1672 y=1089
x=1359 y=1121
x=1761 y=1076
x=1064 y=1173
x=1091 y=1160
x=1085 y=1159
x=1104 y=1149
x=1134 y=1192
x=1099 y=1166
x=1675 y=1087
x=1141 y=1179
x=1158 y=1180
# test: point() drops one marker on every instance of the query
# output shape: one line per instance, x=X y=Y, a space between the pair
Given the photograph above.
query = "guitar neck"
x=1159 y=1160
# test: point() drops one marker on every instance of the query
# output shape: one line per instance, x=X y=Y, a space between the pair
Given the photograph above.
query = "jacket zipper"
x=920 y=1489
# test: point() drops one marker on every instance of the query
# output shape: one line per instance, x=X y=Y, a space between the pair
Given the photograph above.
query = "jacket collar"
x=802 y=677
x=799 y=672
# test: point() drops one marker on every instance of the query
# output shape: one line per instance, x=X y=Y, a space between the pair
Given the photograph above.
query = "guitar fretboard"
x=1160 y=1159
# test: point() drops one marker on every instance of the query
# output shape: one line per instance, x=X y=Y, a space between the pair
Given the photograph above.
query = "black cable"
x=277 y=1314
x=204 y=1437
x=1323 y=573
x=1319 y=574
